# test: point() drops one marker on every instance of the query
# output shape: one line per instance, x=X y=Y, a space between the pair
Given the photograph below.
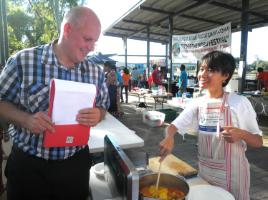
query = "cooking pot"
x=166 y=180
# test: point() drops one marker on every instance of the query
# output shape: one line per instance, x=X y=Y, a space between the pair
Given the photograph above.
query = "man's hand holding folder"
x=90 y=116
x=71 y=107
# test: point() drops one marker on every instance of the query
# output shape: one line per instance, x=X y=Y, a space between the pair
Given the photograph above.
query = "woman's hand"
x=232 y=134
x=167 y=144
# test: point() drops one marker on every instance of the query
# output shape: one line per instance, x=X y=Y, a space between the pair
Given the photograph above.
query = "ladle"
x=158 y=177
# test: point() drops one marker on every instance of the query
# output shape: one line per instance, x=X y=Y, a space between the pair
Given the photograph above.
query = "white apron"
x=221 y=163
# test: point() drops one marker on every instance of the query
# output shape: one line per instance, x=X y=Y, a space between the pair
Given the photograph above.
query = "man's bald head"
x=77 y=16
x=80 y=30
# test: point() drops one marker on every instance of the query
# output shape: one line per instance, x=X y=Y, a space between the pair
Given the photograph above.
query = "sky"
x=111 y=10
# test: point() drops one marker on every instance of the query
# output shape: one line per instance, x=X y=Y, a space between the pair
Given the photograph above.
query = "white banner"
x=194 y=46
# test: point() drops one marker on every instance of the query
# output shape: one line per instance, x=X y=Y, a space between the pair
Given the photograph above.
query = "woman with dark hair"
x=111 y=81
x=126 y=77
x=225 y=122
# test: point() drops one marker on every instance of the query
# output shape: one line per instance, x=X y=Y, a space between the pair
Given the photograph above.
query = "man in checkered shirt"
x=33 y=171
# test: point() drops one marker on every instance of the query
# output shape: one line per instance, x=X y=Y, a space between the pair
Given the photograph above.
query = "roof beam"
x=155 y=10
x=135 y=22
x=180 y=12
x=223 y=5
x=133 y=30
x=198 y=3
x=201 y=19
x=161 y=34
x=265 y=17
x=124 y=29
x=177 y=29
x=135 y=37
x=161 y=26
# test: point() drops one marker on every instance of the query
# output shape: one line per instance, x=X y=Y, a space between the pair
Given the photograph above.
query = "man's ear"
x=67 y=29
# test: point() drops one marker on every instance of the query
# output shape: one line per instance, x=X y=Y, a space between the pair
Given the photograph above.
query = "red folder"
x=64 y=135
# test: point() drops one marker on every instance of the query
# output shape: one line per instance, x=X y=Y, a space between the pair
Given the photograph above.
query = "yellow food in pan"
x=163 y=193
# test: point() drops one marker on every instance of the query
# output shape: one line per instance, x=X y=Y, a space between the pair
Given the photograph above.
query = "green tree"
x=260 y=63
x=35 y=22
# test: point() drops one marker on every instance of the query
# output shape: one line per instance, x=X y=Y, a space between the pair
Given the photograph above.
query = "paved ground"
x=187 y=149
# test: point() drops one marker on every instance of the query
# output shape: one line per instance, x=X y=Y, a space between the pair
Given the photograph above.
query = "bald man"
x=33 y=171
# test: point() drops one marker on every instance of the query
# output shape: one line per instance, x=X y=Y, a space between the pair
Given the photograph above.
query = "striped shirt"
x=25 y=83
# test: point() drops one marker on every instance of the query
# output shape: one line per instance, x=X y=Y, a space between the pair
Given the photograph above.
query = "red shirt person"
x=262 y=78
x=156 y=76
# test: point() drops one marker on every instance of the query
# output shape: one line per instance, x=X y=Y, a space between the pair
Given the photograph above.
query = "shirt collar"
x=49 y=57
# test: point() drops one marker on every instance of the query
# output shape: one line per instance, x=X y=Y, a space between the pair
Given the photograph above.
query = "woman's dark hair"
x=220 y=62
x=125 y=70
x=182 y=67
x=108 y=64
x=259 y=69
x=154 y=66
x=113 y=67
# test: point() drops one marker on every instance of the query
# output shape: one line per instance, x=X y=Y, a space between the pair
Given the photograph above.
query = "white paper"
x=70 y=97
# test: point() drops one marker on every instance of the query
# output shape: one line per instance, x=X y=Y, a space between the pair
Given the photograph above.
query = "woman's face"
x=208 y=79
x=105 y=68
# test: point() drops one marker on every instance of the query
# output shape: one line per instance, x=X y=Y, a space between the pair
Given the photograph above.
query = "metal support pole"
x=148 y=51
x=2 y=43
x=243 y=48
x=5 y=29
x=125 y=48
x=170 y=71
x=167 y=57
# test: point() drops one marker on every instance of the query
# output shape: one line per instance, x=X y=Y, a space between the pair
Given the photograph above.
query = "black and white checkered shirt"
x=25 y=82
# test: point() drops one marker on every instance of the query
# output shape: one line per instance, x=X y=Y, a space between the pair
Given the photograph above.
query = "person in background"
x=143 y=79
x=156 y=76
x=262 y=79
x=118 y=91
x=150 y=82
x=134 y=77
x=130 y=83
x=183 y=80
x=126 y=78
x=111 y=81
x=223 y=132
x=33 y=171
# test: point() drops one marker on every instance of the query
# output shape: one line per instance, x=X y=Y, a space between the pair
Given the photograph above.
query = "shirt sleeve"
x=187 y=121
x=9 y=82
x=247 y=118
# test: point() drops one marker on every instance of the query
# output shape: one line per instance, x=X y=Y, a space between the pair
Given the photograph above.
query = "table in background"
x=141 y=94
x=125 y=137
x=160 y=99
x=179 y=102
